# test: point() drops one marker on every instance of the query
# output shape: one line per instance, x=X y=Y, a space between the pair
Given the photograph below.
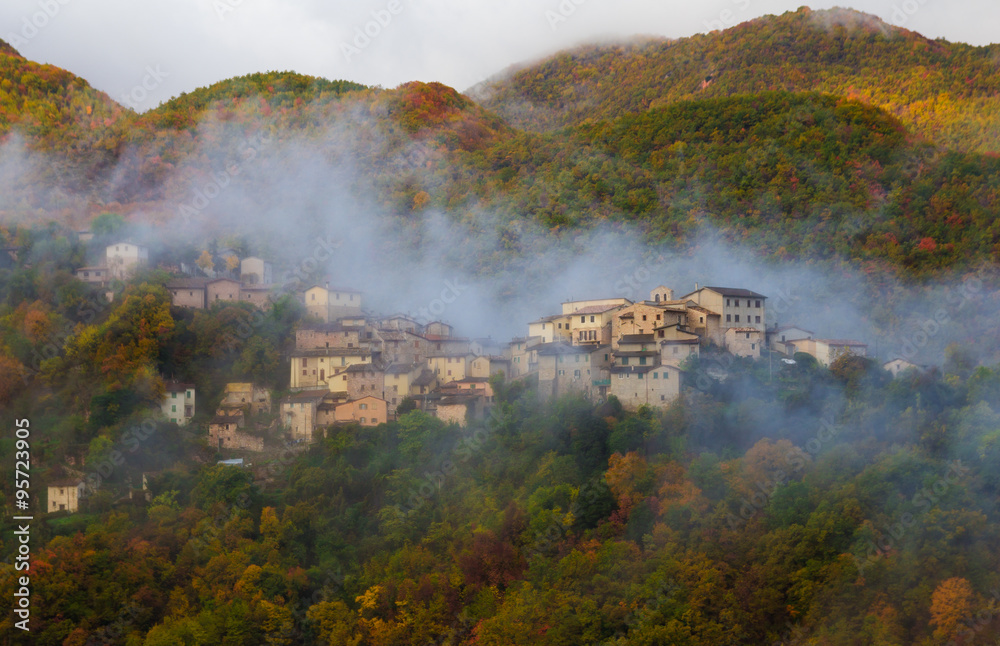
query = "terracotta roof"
x=636 y=338
x=594 y=309
x=66 y=482
x=555 y=348
x=174 y=386
x=401 y=368
x=307 y=396
x=231 y=419
x=426 y=378
x=791 y=327
x=331 y=352
x=361 y=367
x=187 y=283
x=546 y=319
x=457 y=400
x=734 y=291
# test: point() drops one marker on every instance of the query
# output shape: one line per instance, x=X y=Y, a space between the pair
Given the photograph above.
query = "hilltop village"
x=350 y=365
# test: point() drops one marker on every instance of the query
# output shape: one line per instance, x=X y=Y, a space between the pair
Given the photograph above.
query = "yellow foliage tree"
x=205 y=261
x=951 y=602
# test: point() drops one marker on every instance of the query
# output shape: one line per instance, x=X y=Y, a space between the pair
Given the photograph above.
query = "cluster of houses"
x=350 y=366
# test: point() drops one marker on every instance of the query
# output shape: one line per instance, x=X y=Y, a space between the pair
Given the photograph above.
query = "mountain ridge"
x=945 y=91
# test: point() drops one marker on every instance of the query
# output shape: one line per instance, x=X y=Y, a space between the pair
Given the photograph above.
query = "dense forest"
x=770 y=503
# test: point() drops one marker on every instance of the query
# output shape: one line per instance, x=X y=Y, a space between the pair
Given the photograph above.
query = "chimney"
x=696 y=287
x=327 y=285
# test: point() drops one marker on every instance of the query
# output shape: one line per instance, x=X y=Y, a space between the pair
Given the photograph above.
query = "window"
x=727 y=303
x=640 y=375
x=737 y=318
x=666 y=375
x=729 y=318
x=304 y=360
x=757 y=319
x=173 y=395
x=642 y=361
x=748 y=335
x=621 y=375
x=701 y=319
x=675 y=349
x=757 y=304
x=624 y=361
x=656 y=375
x=606 y=356
x=173 y=409
x=643 y=317
x=363 y=406
x=576 y=373
x=583 y=319
x=363 y=420
x=591 y=319
x=753 y=346
x=304 y=373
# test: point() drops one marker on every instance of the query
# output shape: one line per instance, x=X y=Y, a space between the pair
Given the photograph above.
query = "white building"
x=178 y=405
x=123 y=259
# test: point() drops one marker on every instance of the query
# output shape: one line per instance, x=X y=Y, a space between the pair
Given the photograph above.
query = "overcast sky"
x=173 y=46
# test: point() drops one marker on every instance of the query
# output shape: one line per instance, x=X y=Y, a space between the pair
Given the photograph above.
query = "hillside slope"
x=947 y=92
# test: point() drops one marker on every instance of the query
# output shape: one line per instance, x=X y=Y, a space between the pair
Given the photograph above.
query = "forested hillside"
x=773 y=502
x=946 y=92
x=769 y=503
